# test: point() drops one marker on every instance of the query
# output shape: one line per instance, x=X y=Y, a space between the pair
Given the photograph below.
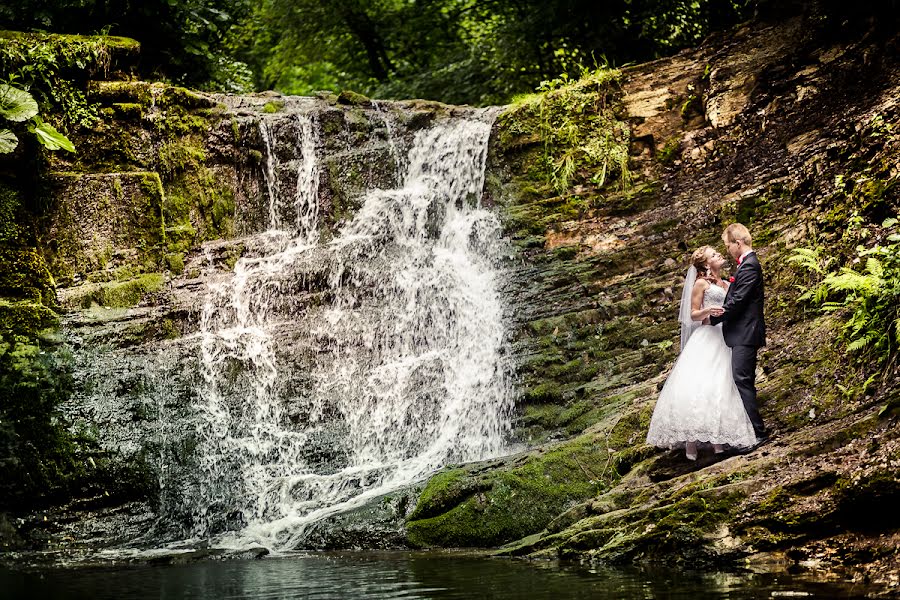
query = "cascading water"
x=336 y=372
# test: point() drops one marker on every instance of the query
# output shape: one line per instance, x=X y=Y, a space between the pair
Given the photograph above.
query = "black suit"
x=745 y=331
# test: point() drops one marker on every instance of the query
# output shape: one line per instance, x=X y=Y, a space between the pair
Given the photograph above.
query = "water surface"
x=400 y=575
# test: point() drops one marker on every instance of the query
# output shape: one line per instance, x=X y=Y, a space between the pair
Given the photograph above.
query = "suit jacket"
x=742 y=322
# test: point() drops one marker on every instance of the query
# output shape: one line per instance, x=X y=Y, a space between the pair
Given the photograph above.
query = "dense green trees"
x=476 y=51
x=181 y=40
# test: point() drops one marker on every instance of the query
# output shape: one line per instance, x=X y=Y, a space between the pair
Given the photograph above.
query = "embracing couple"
x=710 y=395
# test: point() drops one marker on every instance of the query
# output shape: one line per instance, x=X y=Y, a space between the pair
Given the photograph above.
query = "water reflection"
x=396 y=575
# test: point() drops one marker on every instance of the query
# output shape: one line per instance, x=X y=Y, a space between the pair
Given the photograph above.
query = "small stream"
x=402 y=575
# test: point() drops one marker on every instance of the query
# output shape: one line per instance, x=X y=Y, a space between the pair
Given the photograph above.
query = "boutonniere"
x=731 y=279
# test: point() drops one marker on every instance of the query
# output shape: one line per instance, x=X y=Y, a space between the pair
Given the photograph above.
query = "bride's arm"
x=698 y=313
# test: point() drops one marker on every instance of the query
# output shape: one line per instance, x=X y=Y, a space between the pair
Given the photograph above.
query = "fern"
x=868 y=298
x=858 y=344
x=852 y=282
x=875 y=268
x=809 y=259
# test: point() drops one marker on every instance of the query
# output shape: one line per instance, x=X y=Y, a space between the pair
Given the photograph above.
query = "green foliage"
x=868 y=293
x=54 y=68
x=17 y=105
x=38 y=455
x=460 y=51
x=811 y=260
x=8 y=141
x=49 y=137
x=575 y=121
x=180 y=39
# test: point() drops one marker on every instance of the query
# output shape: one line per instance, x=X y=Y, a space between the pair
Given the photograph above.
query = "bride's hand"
x=716 y=311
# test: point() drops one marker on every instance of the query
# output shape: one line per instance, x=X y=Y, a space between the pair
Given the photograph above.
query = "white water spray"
x=309 y=408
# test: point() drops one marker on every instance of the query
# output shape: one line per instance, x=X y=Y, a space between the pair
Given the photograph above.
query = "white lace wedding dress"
x=699 y=401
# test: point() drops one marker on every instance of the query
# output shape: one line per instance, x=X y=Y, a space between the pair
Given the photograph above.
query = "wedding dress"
x=699 y=401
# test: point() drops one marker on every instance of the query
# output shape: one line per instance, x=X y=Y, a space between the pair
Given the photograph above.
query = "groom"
x=743 y=325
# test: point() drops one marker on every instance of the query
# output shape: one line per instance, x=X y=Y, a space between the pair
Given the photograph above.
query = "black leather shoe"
x=760 y=441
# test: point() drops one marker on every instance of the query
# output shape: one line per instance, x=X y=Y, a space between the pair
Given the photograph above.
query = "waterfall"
x=334 y=372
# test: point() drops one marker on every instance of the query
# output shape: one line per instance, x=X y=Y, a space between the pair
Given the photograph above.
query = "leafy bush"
x=54 y=69
x=18 y=106
x=576 y=123
x=869 y=294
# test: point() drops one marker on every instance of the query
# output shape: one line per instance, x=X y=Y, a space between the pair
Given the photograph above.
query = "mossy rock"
x=116 y=294
x=272 y=106
x=352 y=98
x=468 y=509
x=104 y=221
x=39 y=456
x=14 y=218
x=24 y=274
x=85 y=53
x=23 y=317
x=120 y=92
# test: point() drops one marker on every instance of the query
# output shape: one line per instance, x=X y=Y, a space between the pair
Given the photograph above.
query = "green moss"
x=546 y=392
x=508 y=503
x=353 y=98
x=179 y=97
x=178 y=156
x=12 y=217
x=120 y=294
x=127 y=110
x=669 y=152
x=123 y=92
x=175 y=262
x=198 y=196
x=25 y=317
x=442 y=493
x=236 y=131
x=111 y=41
x=273 y=106
x=24 y=274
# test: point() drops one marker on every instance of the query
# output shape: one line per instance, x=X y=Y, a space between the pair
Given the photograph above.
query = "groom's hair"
x=738 y=233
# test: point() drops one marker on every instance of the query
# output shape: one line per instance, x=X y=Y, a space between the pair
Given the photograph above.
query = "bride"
x=699 y=402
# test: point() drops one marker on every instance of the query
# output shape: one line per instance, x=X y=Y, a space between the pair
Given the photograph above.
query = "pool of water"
x=399 y=575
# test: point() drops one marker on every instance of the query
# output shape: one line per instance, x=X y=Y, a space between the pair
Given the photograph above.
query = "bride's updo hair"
x=699 y=258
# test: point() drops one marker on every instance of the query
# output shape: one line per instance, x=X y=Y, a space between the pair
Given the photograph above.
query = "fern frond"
x=853 y=282
x=857 y=344
x=874 y=267
x=807 y=258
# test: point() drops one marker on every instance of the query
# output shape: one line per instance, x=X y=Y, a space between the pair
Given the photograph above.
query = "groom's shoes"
x=761 y=440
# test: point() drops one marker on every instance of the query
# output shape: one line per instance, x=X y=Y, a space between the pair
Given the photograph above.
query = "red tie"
x=740 y=259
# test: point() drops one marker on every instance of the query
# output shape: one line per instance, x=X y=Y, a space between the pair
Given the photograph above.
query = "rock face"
x=760 y=125
x=756 y=126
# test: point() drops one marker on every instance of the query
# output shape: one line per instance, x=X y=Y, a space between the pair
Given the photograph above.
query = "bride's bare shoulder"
x=701 y=284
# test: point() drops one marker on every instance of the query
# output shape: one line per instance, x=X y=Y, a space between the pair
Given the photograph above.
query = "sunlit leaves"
x=8 y=141
x=869 y=297
x=16 y=105
x=49 y=137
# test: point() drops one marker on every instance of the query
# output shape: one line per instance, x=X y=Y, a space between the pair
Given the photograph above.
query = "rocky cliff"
x=762 y=126
x=604 y=187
